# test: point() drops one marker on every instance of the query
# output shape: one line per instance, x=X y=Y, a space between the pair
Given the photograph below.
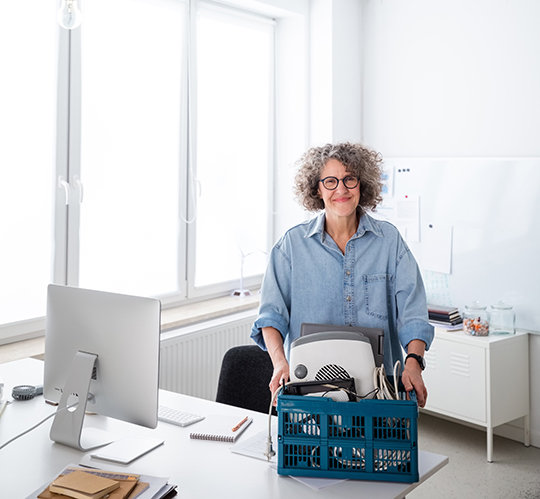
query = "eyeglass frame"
x=338 y=180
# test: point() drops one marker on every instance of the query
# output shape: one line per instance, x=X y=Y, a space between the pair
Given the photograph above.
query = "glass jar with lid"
x=502 y=319
x=475 y=319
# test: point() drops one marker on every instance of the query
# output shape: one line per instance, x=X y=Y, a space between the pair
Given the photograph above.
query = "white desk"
x=201 y=469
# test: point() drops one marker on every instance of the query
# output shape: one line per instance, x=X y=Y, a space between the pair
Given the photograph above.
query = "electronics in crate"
x=330 y=355
x=337 y=389
x=373 y=334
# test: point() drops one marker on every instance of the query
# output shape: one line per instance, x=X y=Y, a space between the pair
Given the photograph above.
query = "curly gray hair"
x=357 y=159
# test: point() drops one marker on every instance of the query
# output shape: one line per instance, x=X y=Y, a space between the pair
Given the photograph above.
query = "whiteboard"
x=491 y=208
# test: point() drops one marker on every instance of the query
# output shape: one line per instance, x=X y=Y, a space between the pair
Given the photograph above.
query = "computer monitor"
x=102 y=351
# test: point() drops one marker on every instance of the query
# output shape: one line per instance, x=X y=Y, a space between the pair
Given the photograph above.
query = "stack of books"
x=445 y=317
x=91 y=483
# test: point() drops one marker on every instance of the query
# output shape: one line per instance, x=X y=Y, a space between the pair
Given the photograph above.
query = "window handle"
x=80 y=186
x=62 y=184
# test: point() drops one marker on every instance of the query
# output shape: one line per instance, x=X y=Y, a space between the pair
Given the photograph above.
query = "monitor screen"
x=107 y=344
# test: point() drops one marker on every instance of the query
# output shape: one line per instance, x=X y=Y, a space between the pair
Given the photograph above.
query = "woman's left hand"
x=412 y=379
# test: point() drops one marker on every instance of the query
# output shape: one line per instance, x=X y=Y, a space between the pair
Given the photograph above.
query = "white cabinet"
x=481 y=380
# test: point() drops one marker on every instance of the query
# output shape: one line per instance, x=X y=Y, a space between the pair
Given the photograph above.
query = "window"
x=27 y=156
x=116 y=173
x=234 y=145
x=132 y=147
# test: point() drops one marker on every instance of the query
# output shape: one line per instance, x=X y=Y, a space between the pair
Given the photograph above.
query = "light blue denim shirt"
x=376 y=283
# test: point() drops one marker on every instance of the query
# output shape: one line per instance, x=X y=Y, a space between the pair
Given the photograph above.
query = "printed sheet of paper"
x=256 y=445
x=407 y=217
x=313 y=483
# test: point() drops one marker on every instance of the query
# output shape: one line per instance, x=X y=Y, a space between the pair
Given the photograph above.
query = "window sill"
x=184 y=315
x=171 y=318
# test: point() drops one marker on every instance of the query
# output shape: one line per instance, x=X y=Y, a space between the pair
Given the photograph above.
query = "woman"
x=344 y=267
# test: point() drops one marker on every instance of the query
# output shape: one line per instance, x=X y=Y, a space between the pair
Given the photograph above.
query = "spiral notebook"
x=221 y=428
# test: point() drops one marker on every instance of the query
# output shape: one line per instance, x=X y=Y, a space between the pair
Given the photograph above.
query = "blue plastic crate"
x=365 y=440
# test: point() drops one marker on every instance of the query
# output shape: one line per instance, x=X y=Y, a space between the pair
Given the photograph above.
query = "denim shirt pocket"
x=378 y=292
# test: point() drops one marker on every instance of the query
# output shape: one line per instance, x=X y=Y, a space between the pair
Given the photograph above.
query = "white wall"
x=455 y=79
x=335 y=71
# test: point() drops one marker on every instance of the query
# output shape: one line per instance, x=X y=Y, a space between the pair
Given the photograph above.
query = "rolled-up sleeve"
x=274 y=310
x=412 y=315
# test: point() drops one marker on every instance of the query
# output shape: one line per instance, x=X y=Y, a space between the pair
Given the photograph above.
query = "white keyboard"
x=177 y=417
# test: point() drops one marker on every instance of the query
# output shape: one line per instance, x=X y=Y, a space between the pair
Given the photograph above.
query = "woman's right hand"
x=274 y=345
x=280 y=375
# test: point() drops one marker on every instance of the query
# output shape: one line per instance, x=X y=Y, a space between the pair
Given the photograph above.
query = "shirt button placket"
x=348 y=287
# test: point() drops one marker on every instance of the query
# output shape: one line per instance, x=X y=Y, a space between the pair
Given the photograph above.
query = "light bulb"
x=69 y=16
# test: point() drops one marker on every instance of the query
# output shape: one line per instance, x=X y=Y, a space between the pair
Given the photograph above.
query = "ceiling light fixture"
x=69 y=16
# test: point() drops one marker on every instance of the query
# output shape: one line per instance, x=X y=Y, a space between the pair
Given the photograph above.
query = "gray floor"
x=513 y=474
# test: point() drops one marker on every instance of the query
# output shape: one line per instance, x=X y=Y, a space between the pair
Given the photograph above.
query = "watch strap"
x=418 y=359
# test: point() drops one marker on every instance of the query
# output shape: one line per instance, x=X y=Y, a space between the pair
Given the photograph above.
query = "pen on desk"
x=235 y=428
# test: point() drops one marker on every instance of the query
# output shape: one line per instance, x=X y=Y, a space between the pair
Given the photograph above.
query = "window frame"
x=290 y=129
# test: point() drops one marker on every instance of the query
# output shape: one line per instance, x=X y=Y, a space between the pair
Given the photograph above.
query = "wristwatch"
x=419 y=359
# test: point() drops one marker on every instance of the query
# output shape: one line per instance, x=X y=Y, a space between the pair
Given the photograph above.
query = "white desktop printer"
x=330 y=355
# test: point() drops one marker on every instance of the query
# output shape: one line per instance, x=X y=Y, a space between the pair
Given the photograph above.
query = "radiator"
x=191 y=356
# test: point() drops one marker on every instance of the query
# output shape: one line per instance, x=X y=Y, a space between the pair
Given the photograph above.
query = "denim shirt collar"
x=366 y=223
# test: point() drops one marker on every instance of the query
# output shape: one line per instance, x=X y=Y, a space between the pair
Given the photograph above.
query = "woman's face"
x=341 y=202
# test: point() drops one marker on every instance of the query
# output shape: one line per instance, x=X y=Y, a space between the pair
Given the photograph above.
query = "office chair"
x=244 y=377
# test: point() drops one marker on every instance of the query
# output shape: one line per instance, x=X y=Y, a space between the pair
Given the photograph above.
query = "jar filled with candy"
x=475 y=319
x=502 y=319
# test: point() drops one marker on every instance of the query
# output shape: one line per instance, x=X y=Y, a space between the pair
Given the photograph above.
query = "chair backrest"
x=245 y=374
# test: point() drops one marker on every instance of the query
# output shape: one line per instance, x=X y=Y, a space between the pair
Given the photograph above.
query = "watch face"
x=420 y=360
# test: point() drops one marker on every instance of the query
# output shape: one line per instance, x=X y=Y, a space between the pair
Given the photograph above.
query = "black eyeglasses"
x=331 y=183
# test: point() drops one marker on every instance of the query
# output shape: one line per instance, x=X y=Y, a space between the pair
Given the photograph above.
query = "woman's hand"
x=274 y=345
x=281 y=374
x=411 y=378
